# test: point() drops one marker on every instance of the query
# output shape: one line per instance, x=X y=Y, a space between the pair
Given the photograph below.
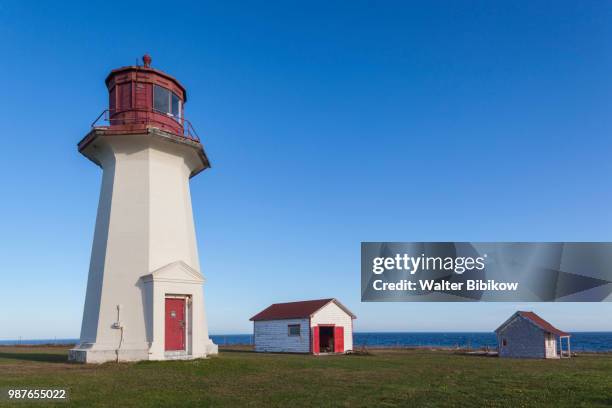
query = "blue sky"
x=328 y=124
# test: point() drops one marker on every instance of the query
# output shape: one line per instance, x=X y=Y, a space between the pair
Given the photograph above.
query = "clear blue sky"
x=328 y=124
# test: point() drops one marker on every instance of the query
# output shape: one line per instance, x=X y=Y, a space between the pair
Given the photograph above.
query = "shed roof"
x=537 y=320
x=296 y=310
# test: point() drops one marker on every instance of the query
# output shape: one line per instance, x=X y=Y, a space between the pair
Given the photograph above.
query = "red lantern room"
x=141 y=97
x=145 y=100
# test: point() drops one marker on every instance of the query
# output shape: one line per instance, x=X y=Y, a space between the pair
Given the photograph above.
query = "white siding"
x=551 y=345
x=273 y=336
x=333 y=314
x=523 y=340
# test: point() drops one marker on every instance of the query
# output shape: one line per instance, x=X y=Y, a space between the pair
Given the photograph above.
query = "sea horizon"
x=584 y=341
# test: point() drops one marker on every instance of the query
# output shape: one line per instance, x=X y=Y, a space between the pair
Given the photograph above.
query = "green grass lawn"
x=384 y=378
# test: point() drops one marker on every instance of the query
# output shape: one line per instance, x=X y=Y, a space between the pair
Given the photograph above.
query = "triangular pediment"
x=177 y=271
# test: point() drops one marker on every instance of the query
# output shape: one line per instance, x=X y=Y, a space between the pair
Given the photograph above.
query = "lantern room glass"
x=165 y=101
x=176 y=107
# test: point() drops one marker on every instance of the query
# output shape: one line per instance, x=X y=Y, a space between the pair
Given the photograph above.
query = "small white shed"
x=527 y=335
x=312 y=326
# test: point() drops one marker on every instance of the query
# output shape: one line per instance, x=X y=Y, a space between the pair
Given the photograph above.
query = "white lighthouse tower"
x=145 y=297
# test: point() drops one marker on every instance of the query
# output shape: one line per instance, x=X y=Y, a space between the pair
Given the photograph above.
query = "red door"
x=175 y=324
x=339 y=339
x=315 y=340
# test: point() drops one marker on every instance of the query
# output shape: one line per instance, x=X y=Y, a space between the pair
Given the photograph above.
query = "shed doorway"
x=328 y=339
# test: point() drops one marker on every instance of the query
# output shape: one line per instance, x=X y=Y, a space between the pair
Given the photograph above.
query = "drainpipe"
x=118 y=325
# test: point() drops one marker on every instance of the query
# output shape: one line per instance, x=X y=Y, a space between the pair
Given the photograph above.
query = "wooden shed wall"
x=273 y=336
x=524 y=340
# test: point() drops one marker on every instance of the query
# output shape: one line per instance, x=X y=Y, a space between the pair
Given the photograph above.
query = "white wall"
x=333 y=314
x=524 y=340
x=177 y=278
x=144 y=222
x=551 y=345
x=273 y=336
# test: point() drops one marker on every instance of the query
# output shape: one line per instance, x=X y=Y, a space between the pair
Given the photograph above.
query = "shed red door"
x=175 y=324
x=339 y=339
x=315 y=340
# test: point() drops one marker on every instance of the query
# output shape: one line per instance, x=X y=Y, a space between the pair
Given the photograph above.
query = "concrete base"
x=211 y=348
x=177 y=355
x=93 y=354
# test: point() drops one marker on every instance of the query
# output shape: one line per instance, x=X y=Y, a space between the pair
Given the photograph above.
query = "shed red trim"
x=315 y=340
x=339 y=339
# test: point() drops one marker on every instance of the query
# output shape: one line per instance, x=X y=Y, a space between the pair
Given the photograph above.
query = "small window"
x=294 y=330
x=161 y=99
x=166 y=102
x=176 y=107
x=504 y=342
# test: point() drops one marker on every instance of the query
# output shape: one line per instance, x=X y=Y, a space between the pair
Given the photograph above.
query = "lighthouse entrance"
x=175 y=324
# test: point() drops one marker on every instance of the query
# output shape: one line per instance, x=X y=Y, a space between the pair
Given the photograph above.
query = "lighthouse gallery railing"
x=188 y=131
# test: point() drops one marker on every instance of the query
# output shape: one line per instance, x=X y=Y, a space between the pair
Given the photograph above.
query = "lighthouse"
x=145 y=297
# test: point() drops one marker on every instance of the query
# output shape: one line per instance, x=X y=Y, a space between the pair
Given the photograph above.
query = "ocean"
x=581 y=341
